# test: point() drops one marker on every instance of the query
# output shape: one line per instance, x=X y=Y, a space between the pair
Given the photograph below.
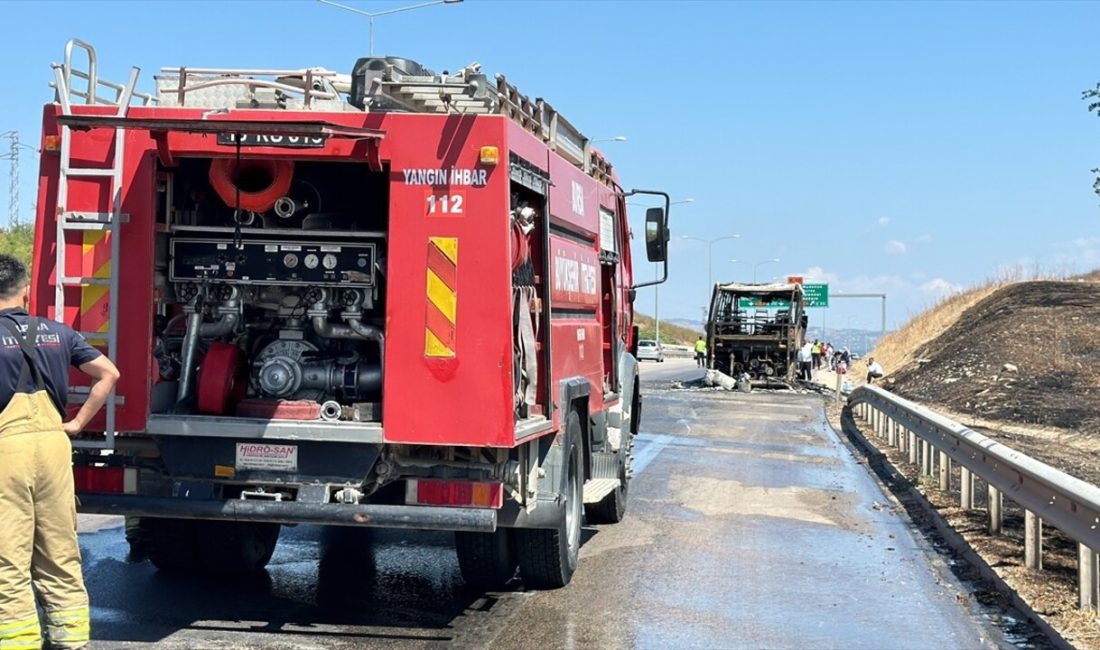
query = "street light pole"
x=371 y=15
x=759 y=264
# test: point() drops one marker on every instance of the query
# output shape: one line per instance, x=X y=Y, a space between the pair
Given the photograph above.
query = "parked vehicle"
x=650 y=350
x=391 y=298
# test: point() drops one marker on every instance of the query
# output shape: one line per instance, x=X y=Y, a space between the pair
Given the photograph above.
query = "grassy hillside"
x=670 y=333
x=904 y=346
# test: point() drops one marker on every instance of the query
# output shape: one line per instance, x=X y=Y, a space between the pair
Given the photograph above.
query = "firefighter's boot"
x=38 y=519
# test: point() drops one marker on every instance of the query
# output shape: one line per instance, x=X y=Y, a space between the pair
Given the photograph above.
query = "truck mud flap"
x=291 y=512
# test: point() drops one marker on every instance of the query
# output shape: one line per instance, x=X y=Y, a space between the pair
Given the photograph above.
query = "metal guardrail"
x=1046 y=494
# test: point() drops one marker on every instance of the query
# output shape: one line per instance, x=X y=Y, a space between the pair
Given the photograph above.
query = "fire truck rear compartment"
x=270 y=295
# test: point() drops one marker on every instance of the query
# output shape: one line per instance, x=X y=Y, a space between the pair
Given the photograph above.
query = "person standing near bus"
x=701 y=352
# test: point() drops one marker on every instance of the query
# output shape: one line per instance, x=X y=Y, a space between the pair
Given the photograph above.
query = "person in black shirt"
x=37 y=503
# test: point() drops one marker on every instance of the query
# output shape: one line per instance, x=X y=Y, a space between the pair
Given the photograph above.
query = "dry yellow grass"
x=904 y=345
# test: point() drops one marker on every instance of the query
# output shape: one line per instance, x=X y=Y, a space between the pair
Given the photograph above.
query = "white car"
x=652 y=350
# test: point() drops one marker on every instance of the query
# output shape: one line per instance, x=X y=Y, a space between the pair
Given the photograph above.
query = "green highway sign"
x=816 y=295
x=760 y=302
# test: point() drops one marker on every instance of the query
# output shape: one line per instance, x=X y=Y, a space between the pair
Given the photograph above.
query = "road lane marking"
x=649 y=446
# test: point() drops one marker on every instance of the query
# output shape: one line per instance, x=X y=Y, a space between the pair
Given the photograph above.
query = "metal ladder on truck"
x=70 y=220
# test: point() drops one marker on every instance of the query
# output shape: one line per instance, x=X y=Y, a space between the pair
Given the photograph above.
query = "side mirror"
x=656 y=235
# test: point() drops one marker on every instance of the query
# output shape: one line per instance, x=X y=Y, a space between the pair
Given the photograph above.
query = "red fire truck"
x=393 y=298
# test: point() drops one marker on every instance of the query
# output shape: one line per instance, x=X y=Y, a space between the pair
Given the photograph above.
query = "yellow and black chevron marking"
x=439 y=325
x=95 y=263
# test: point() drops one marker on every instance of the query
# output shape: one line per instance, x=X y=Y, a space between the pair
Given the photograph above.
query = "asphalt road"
x=751 y=524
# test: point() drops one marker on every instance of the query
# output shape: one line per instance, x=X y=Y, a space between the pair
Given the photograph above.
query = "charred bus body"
x=756 y=329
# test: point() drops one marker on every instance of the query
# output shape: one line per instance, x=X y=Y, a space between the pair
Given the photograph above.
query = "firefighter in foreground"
x=37 y=506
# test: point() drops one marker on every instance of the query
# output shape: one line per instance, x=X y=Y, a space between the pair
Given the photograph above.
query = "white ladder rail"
x=74 y=221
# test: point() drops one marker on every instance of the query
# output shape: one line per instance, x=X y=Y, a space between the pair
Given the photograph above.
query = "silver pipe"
x=371 y=333
x=190 y=350
x=224 y=325
x=354 y=329
x=229 y=316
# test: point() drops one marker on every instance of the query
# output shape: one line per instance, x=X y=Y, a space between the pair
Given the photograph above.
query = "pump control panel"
x=272 y=262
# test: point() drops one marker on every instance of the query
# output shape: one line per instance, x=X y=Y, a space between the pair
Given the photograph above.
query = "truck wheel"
x=612 y=508
x=236 y=547
x=486 y=559
x=548 y=558
x=196 y=546
x=170 y=544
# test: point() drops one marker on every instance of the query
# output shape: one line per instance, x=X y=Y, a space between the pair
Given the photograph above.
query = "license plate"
x=258 y=455
x=287 y=141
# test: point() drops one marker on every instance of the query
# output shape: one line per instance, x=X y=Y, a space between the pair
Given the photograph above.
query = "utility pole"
x=13 y=178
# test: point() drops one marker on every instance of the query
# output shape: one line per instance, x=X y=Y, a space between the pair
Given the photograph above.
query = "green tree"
x=18 y=241
x=1092 y=96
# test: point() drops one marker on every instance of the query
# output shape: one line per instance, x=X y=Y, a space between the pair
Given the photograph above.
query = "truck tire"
x=548 y=557
x=170 y=544
x=237 y=547
x=486 y=560
x=219 y=547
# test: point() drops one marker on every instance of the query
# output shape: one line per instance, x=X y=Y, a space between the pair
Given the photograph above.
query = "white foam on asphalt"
x=646 y=449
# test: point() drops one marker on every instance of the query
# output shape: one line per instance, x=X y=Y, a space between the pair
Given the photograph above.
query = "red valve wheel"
x=223 y=379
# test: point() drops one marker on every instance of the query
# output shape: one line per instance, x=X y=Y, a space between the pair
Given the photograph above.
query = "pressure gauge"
x=329 y=261
x=290 y=260
x=311 y=261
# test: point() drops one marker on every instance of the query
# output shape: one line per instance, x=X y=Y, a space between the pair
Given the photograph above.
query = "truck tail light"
x=105 y=480
x=432 y=492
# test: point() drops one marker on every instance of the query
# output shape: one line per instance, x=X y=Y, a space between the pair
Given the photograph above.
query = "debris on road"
x=717 y=378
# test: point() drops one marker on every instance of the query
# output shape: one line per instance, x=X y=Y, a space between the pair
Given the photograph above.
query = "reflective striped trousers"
x=38 y=543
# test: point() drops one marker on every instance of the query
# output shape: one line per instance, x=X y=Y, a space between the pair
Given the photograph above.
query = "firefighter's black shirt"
x=57 y=347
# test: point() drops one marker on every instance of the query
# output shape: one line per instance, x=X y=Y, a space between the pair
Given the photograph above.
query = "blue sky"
x=903 y=148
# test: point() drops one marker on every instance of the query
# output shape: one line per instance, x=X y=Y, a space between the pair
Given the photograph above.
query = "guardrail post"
x=925 y=458
x=945 y=472
x=914 y=448
x=966 y=489
x=1033 y=540
x=876 y=421
x=996 y=519
x=1087 y=583
x=902 y=439
x=892 y=433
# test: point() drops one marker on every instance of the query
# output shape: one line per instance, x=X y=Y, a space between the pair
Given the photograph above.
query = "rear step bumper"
x=292 y=512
